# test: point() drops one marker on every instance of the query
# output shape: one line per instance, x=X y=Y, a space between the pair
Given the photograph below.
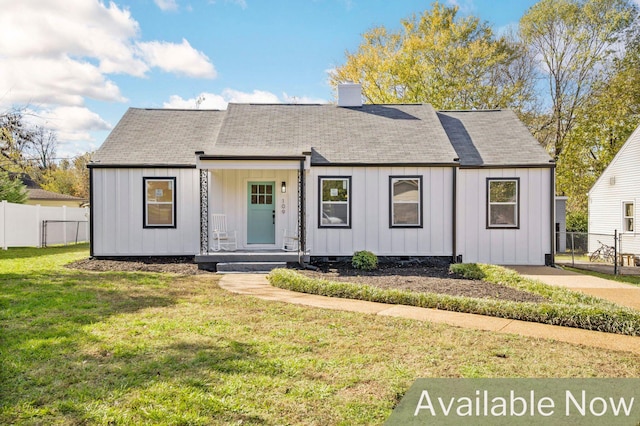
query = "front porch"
x=261 y=203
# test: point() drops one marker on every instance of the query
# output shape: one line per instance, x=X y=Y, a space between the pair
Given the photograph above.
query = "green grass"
x=628 y=279
x=80 y=347
x=564 y=308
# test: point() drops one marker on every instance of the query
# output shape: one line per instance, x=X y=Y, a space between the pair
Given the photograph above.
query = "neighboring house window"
x=503 y=201
x=159 y=202
x=335 y=202
x=405 y=201
x=628 y=210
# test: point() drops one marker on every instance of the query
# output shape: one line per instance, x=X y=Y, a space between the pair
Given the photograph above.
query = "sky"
x=75 y=66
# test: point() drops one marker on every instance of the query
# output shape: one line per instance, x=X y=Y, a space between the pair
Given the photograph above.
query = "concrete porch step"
x=248 y=267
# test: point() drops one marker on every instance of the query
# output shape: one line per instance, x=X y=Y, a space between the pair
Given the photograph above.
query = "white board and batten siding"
x=228 y=195
x=370 y=200
x=117 y=206
x=619 y=183
x=524 y=246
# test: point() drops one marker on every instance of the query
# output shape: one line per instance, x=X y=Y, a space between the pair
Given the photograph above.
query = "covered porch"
x=261 y=203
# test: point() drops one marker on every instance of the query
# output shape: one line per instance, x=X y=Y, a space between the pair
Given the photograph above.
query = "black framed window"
x=405 y=201
x=503 y=203
x=159 y=205
x=335 y=201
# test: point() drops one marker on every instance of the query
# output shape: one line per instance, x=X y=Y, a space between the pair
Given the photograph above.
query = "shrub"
x=364 y=260
x=567 y=308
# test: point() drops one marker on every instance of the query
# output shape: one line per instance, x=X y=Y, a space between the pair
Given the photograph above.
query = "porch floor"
x=248 y=256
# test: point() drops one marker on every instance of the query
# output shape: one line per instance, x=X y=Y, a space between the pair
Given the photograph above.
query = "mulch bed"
x=174 y=265
x=433 y=279
x=430 y=279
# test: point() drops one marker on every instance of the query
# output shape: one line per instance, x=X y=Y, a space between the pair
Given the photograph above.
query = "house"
x=614 y=198
x=398 y=180
x=38 y=196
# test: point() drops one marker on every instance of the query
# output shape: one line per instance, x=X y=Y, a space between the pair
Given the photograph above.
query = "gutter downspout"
x=552 y=196
x=454 y=222
x=302 y=243
x=92 y=205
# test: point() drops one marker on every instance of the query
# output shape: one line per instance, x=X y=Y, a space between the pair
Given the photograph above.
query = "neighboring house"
x=614 y=198
x=398 y=180
x=36 y=195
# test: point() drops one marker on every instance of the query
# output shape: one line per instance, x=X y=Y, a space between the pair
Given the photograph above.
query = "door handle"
x=273 y=216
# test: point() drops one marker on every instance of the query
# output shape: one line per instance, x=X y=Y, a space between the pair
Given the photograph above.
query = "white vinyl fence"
x=21 y=225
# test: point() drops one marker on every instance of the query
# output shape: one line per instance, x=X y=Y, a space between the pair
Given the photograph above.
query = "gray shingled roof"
x=491 y=138
x=369 y=134
x=41 y=194
x=159 y=137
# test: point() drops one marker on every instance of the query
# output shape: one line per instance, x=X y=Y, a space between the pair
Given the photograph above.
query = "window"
x=335 y=202
x=406 y=201
x=627 y=212
x=503 y=203
x=159 y=202
x=261 y=194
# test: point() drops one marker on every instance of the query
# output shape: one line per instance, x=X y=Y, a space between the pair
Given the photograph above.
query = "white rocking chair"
x=289 y=241
x=223 y=239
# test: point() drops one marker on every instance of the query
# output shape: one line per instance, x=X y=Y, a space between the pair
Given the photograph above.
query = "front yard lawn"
x=82 y=347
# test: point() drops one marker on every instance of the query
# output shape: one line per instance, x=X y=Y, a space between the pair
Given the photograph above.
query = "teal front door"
x=261 y=213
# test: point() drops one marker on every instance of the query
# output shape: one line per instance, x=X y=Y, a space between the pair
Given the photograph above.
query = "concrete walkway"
x=257 y=285
x=617 y=292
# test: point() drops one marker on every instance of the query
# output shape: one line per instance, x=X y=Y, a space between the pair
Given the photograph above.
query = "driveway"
x=620 y=293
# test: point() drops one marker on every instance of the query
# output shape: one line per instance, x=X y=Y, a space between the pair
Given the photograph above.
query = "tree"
x=602 y=125
x=15 y=137
x=574 y=40
x=42 y=149
x=441 y=59
x=12 y=190
x=69 y=177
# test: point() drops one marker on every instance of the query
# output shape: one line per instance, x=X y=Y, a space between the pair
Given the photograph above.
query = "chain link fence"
x=597 y=252
x=64 y=232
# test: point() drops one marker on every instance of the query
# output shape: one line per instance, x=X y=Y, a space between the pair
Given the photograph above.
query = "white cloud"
x=54 y=52
x=51 y=81
x=72 y=125
x=177 y=58
x=220 y=101
x=206 y=101
x=256 y=97
x=166 y=4
x=54 y=55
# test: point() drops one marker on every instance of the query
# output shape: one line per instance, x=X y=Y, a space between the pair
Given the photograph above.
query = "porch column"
x=302 y=240
x=204 y=211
